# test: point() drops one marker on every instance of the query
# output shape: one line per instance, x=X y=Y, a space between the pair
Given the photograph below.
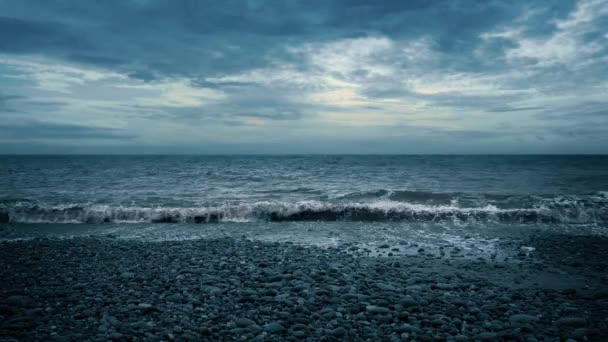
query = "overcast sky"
x=152 y=76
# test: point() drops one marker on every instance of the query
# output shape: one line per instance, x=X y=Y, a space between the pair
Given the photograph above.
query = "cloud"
x=173 y=93
x=56 y=77
x=385 y=74
x=5 y=100
x=567 y=44
x=33 y=130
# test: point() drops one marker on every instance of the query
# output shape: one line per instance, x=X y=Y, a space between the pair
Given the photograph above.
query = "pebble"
x=243 y=322
x=273 y=328
x=522 y=318
x=377 y=309
x=572 y=322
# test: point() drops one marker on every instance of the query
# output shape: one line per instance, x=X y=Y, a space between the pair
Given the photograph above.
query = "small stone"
x=377 y=309
x=243 y=322
x=522 y=319
x=174 y=298
x=408 y=301
x=255 y=329
x=115 y=336
x=4 y=217
x=410 y=328
x=577 y=322
x=443 y=286
x=127 y=275
x=580 y=333
x=486 y=336
x=18 y=300
x=298 y=327
x=297 y=333
x=273 y=328
x=339 y=332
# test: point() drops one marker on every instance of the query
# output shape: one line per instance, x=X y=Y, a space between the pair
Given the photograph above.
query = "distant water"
x=358 y=198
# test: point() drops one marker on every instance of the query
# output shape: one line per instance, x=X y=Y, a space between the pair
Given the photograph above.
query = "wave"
x=557 y=210
x=401 y=196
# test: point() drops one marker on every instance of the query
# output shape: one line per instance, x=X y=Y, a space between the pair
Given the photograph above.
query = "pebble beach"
x=104 y=288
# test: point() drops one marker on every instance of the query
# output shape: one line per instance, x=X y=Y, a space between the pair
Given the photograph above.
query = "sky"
x=315 y=76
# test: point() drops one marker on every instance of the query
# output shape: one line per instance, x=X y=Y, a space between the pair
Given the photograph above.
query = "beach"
x=105 y=288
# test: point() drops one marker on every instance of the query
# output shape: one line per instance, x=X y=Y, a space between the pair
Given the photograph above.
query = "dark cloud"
x=11 y=103
x=160 y=37
x=40 y=130
x=508 y=108
x=592 y=110
x=5 y=100
x=20 y=35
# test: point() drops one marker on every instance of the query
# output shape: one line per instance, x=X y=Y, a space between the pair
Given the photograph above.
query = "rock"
x=4 y=217
x=299 y=327
x=176 y=298
x=580 y=333
x=408 y=301
x=386 y=287
x=339 y=332
x=19 y=323
x=522 y=319
x=384 y=246
x=486 y=336
x=243 y=322
x=577 y=322
x=273 y=328
x=443 y=286
x=377 y=309
x=144 y=306
x=601 y=294
x=297 y=333
x=20 y=301
x=127 y=275
x=254 y=329
x=115 y=336
x=410 y=328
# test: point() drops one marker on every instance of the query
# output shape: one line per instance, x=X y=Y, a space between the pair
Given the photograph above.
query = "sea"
x=414 y=202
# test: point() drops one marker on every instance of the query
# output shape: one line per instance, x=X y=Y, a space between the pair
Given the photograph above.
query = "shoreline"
x=231 y=289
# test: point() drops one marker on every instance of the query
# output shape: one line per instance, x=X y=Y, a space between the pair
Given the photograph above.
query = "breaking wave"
x=590 y=209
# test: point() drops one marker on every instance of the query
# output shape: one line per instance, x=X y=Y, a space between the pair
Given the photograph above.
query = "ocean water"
x=473 y=201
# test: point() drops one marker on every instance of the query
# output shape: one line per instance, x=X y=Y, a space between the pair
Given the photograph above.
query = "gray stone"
x=377 y=309
x=18 y=300
x=243 y=322
x=444 y=286
x=522 y=319
x=127 y=275
x=577 y=322
x=115 y=336
x=339 y=332
x=273 y=328
x=408 y=301
x=486 y=336
x=174 y=298
x=298 y=327
x=410 y=328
